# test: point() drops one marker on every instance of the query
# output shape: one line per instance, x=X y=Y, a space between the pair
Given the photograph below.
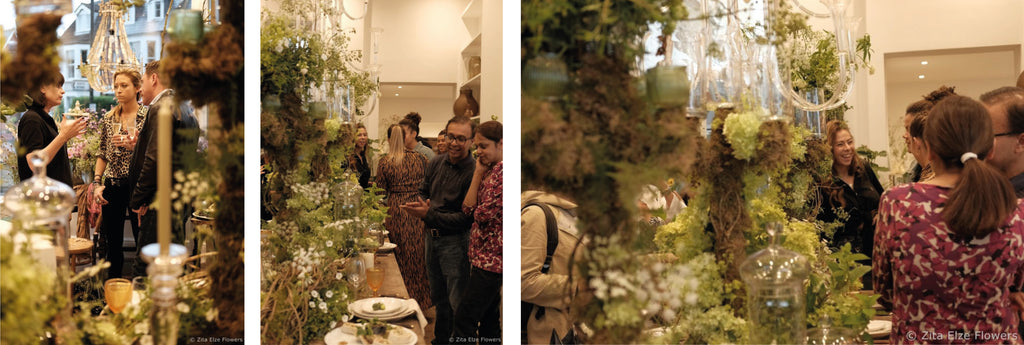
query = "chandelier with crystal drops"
x=110 y=50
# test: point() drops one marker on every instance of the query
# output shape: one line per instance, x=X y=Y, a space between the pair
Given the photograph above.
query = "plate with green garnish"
x=385 y=308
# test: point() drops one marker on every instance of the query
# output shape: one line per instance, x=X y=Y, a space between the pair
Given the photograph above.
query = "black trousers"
x=477 y=320
x=148 y=234
x=118 y=195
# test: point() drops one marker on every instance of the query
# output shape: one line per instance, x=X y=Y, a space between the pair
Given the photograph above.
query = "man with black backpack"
x=547 y=289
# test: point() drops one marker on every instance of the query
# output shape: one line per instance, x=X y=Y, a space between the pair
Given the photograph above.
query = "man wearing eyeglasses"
x=446 y=180
x=1005 y=107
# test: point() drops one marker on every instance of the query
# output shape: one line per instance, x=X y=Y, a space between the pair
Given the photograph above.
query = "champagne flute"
x=118 y=292
x=133 y=130
x=115 y=132
x=375 y=278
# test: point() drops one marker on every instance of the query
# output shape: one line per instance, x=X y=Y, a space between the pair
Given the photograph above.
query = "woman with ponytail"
x=400 y=174
x=949 y=250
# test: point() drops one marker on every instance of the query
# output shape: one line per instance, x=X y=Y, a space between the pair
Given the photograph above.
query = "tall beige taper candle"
x=163 y=179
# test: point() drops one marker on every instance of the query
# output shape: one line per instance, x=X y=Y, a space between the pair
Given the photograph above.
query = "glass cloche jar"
x=774 y=279
x=41 y=210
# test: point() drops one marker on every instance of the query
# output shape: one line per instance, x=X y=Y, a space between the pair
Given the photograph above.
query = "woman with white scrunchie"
x=949 y=251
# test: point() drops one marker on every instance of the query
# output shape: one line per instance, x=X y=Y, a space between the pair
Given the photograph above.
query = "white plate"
x=879 y=328
x=397 y=335
x=387 y=246
x=394 y=308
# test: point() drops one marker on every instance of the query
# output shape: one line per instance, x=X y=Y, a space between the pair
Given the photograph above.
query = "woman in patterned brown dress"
x=400 y=174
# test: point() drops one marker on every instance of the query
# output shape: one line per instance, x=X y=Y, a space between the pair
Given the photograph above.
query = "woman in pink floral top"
x=948 y=251
x=478 y=316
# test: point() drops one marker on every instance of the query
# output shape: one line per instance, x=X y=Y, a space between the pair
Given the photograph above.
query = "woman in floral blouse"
x=117 y=143
x=478 y=315
x=949 y=251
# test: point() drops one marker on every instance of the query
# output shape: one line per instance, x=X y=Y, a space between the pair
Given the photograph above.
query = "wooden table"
x=393 y=286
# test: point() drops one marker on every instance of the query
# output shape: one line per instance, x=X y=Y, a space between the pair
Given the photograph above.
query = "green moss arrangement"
x=35 y=59
x=211 y=74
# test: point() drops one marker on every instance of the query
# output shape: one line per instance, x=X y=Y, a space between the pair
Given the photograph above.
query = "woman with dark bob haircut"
x=949 y=251
x=38 y=131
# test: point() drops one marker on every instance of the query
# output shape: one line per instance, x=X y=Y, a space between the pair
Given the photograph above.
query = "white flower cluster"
x=305 y=259
x=315 y=192
x=188 y=188
x=318 y=302
x=658 y=288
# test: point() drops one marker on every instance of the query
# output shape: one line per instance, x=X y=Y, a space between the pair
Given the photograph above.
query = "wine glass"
x=138 y=289
x=374 y=278
x=118 y=292
x=356 y=272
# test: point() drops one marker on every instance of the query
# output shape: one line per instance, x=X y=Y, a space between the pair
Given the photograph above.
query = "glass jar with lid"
x=774 y=279
x=41 y=209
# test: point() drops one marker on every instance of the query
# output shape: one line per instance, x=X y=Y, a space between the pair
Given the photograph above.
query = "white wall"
x=915 y=25
x=423 y=39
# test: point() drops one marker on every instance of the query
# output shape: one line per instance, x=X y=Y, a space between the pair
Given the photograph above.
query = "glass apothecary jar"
x=774 y=279
x=41 y=209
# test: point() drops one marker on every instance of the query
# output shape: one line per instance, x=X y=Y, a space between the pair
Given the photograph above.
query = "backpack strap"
x=552 y=234
x=552 y=229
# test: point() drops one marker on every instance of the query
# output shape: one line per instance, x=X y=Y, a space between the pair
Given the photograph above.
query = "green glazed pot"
x=668 y=86
x=545 y=77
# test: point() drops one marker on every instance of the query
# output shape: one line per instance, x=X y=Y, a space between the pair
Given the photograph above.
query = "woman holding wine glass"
x=117 y=143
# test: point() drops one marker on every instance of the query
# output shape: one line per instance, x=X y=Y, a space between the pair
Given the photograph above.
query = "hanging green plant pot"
x=318 y=110
x=545 y=77
x=668 y=86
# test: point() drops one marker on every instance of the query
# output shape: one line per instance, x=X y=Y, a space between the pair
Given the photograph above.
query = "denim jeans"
x=478 y=317
x=448 y=273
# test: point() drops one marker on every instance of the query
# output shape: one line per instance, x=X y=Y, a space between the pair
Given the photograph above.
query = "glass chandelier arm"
x=846 y=72
x=808 y=11
x=366 y=5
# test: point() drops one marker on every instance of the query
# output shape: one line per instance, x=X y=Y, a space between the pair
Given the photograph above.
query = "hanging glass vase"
x=41 y=208
x=545 y=77
x=813 y=120
x=774 y=279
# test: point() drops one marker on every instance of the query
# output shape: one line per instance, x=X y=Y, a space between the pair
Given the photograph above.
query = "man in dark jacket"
x=143 y=170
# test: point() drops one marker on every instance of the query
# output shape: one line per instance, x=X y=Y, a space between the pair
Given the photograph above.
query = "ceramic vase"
x=466 y=104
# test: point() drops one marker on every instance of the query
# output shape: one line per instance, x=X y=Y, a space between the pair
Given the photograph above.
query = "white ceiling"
x=417 y=90
x=946 y=66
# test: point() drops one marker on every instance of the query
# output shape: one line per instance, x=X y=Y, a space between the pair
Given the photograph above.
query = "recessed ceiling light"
x=399 y=86
x=922 y=62
x=919 y=76
x=396 y=94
